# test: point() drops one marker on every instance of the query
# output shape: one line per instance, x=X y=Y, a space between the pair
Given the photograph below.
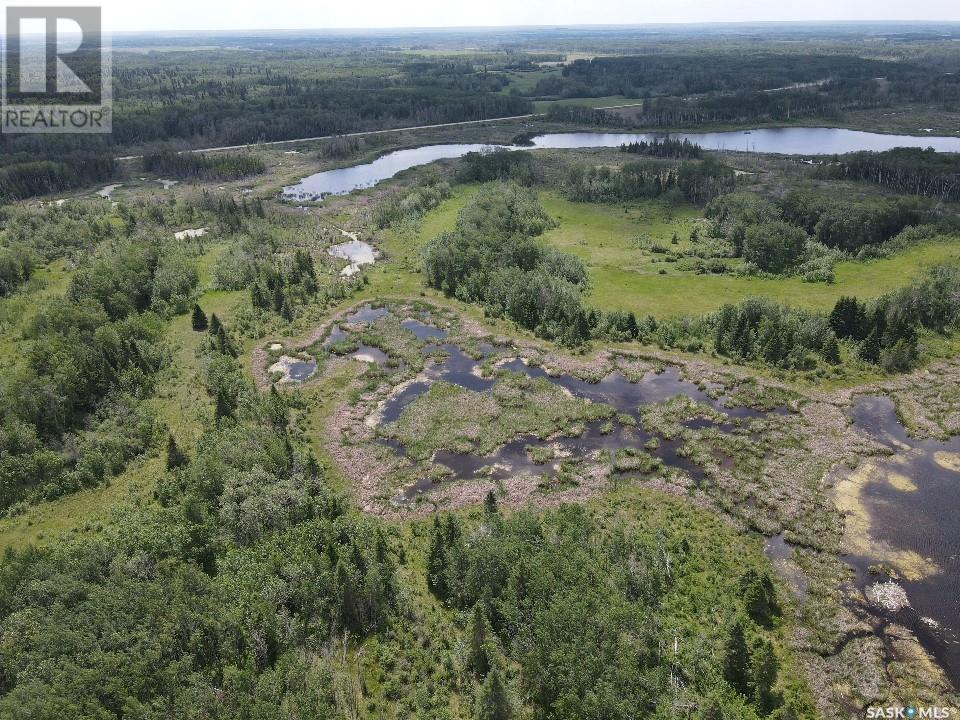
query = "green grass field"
x=596 y=102
x=624 y=276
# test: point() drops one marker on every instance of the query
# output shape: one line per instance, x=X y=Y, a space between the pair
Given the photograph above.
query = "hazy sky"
x=319 y=14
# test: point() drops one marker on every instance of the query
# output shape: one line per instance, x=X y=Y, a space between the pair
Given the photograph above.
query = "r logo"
x=56 y=70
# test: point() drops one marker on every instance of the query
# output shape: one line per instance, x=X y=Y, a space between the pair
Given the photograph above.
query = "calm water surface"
x=924 y=521
x=787 y=141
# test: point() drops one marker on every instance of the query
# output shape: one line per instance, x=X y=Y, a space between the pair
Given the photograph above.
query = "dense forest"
x=684 y=91
x=910 y=171
x=224 y=166
x=696 y=182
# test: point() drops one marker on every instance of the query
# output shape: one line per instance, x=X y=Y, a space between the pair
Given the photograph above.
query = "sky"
x=136 y=15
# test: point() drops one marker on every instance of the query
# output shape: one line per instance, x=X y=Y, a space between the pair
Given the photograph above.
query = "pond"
x=625 y=396
x=355 y=252
x=912 y=498
x=787 y=141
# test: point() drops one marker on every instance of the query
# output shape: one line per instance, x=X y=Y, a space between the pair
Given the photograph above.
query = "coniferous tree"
x=199 y=319
x=224 y=405
x=176 y=458
x=494 y=703
x=736 y=659
x=258 y=297
x=763 y=671
x=478 y=660
x=437 y=562
x=215 y=325
x=869 y=349
x=831 y=349
x=286 y=310
x=760 y=597
x=490 y=503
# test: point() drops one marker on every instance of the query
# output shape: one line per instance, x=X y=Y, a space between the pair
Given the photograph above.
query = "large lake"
x=786 y=141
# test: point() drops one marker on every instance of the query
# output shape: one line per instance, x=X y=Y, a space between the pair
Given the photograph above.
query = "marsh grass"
x=450 y=417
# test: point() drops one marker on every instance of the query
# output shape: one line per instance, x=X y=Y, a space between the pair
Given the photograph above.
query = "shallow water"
x=300 y=371
x=615 y=390
x=369 y=354
x=923 y=520
x=107 y=191
x=366 y=315
x=356 y=252
x=787 y=141
x=423 y=331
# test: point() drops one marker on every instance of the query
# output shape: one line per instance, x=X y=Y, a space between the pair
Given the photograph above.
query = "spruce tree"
x=224 y=405
x=869 y=349
x=437 y=562
x=286 y=310
x=176 y=458
x=494 y=703
x=258 y=297
x=199 y=319
x=760 y=597
x=478 y=660
x=490 y=503
x=831 y=350
x=736 y=660
x=763 y=671
x=215 y=326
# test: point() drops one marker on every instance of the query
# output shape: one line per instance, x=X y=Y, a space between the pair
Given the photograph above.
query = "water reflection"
x=918 y=516
x=786 y=141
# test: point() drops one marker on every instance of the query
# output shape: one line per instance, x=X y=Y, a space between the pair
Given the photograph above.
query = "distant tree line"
x=681 y=75
x=685 y=91
x=515 y=166
x=23 y=175
x=911 y=171
x=218 y=166
x=693 y=181
x=666 y=147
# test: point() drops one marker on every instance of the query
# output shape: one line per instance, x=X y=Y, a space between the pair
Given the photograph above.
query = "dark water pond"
x=923 y=521
x=627 y=397
x=787 y=141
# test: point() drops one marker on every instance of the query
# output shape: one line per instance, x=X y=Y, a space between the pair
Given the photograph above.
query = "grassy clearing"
x=606 y=101
x=626 y=275
x=677 y=293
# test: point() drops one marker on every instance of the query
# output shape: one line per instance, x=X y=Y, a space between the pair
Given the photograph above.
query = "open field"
x=626 y=277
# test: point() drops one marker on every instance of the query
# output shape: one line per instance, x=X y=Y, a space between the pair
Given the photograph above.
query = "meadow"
x=626 y=276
